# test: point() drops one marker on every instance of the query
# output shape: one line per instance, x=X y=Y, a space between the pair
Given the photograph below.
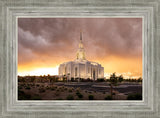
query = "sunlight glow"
x=40 y=71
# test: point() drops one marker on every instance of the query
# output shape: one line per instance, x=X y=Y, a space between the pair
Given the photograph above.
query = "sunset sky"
x=115 y=43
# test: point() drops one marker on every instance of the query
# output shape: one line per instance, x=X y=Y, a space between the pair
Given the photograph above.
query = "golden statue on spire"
x=81 y=51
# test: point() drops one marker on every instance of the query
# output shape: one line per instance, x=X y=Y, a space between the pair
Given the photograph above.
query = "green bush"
x=113 y=93
x=52 y=88
x=100 y=80
x=70 y=90
x=90 y=97
x=108 y=97
x=72 y=79
x=70 y=97
x=79 y=95
x=136 y=96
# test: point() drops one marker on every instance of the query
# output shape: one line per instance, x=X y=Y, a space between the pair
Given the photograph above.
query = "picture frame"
x=11 y=107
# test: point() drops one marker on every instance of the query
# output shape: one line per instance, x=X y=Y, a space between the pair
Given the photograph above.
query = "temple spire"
x=80 y=35
x=81 y=51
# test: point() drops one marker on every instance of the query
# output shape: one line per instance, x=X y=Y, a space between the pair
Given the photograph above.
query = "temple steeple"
x=81 y=35
x=81 y=51
x=80 y=44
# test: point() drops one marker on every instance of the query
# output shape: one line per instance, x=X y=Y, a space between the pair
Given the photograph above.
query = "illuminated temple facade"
x=81 y=67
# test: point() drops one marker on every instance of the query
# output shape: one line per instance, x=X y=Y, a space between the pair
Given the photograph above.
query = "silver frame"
x=11 y=10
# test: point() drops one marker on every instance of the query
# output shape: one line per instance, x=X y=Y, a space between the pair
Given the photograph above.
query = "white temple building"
x=81 y=67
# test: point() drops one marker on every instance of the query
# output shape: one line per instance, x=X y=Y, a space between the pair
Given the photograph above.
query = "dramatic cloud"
x=47 y=42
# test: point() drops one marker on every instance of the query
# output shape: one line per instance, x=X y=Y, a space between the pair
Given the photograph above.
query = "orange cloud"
x=116 y=43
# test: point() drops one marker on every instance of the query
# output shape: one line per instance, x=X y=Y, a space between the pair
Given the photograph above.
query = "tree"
x=33 y=79
x=57 y=78
x=52 y=79
x=113 y=81
x=64 y=78
x=120 y=78
x=68 y=76
x=139 y=79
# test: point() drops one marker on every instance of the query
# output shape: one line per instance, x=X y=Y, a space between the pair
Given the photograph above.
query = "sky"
x=115 y=43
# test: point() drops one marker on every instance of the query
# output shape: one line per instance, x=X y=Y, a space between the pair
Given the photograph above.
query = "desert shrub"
x=65 y=89
x=88 y=80
x=89 y=92
x=136 y=96
x=52 y=88
x=79 y=95
x=78 y=89
x=57 y=90
x=36 y=97
x=57 y=93
x=100 y=80
x=72 y=79
x=77 y=92
x=60 y=88
x=47 y=87
x=70 y=97
x=113 y=93
x=41 y=90
x=70 y=90
x=90 y=97
x=108 y=97
x=28 y=87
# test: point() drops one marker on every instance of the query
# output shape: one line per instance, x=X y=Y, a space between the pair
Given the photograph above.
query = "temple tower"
x=81 y=51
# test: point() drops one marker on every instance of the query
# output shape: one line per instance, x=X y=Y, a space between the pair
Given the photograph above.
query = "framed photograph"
x=79 y=59
x=61 y=62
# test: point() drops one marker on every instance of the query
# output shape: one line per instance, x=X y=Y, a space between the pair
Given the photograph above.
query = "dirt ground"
x=75 y=91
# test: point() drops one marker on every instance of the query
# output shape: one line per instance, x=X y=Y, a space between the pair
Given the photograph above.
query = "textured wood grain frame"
x=148 y=10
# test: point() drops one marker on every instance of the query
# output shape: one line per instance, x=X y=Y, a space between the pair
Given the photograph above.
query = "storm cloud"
x=56 y=39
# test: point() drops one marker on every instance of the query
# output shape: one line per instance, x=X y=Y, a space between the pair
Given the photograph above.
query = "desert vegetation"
x=52 y=88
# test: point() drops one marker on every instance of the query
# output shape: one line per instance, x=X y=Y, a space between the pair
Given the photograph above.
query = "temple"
x=81 y=68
